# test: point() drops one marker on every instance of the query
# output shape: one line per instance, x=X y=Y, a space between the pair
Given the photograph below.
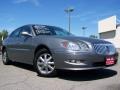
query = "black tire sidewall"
x=42 y=51
x=7 y=59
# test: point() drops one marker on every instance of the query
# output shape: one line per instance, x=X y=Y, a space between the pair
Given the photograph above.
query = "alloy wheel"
x=45 y=63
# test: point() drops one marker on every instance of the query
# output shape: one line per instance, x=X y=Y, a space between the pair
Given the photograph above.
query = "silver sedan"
x=49 y=48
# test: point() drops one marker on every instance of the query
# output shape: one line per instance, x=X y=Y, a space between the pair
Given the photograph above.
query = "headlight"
x=70 y=46
x=83 y=46
x=80 y=46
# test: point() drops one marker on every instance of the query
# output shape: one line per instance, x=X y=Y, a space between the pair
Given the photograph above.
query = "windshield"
x=50 y=30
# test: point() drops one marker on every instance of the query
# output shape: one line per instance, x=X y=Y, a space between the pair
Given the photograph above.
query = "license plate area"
x=110 y=60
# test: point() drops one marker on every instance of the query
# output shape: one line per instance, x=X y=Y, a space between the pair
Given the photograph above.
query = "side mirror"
x=26 y=34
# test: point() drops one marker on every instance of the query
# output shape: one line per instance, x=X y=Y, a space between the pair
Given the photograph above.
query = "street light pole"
x=69 y=10
x=69 y=21
x=84 y=28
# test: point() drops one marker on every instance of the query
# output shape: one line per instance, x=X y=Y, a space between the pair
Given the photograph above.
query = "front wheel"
x=44 y=63
x=5 y=58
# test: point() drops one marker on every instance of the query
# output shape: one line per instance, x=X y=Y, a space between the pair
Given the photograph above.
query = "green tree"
x=3 y=34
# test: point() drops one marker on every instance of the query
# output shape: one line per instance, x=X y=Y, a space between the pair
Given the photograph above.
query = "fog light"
x=72 y=61
x=75 y=62
x=78 y=61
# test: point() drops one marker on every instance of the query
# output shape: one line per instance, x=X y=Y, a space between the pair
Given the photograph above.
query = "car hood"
x=90 y=40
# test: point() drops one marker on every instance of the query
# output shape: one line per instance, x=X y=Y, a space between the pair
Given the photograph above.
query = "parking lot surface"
x=23 y=77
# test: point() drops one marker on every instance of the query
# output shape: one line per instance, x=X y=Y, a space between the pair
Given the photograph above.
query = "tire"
x=44 y=63
x=5 y=58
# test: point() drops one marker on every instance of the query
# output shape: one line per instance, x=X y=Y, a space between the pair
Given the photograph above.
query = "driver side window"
x=26 y=29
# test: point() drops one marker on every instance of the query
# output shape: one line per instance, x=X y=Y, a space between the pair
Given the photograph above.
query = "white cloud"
x=20 y=1
x=94 y=16
x=35 y=2
x=11 y=20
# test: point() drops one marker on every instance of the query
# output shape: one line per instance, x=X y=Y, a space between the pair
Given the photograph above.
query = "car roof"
x=38 y=25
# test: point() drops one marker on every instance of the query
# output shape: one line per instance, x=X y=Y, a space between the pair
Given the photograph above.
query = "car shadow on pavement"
x=87 y=75
x=84 y=75
x=23 y=66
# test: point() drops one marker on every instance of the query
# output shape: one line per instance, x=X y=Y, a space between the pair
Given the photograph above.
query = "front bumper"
x=87 y=60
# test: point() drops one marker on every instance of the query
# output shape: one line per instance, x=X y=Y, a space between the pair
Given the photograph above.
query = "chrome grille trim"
x=104 y=49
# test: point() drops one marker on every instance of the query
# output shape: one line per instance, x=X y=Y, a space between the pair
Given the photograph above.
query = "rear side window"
x=15 y=33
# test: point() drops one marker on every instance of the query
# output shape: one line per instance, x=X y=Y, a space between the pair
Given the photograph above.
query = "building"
x=109 y=30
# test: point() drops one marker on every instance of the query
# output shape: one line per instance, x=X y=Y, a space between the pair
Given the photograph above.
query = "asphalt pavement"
x=23 y=77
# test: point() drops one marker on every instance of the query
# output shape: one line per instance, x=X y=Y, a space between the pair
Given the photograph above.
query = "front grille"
x=104 y=49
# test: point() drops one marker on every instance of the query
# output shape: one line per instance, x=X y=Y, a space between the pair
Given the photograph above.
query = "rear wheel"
x=5 y=58
x=44 y=63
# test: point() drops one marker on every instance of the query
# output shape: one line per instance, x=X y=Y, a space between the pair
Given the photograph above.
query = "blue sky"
x=15 y=13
